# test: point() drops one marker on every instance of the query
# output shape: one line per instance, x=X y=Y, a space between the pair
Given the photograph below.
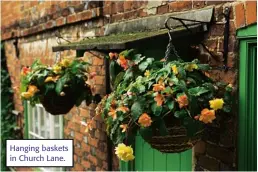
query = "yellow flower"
x=124 y=127
x=52 y=79
x=147 y=73
x=207 y=116
x=174 y=69
x=216 y=104
x=145 y=120
x=123 y=152
x=65 y=62
x=57 y=69
x=191 y=67
x=26 y=95
x=32 y=89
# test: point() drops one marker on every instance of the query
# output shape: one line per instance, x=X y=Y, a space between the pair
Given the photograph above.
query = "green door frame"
x=247 y=158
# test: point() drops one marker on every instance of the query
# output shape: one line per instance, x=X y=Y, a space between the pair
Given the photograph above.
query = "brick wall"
x=33 y=25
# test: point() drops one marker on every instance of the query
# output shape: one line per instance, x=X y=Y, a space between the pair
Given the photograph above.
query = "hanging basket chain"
x=170 y=47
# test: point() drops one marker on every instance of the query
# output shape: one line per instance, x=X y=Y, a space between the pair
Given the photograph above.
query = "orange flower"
x=145 y=120
x=159 y=99
x=182 y=101
x=123 y=62
x=124 y=109
x=32 y=89
x=112 y=113
x=158 y=87
x=207 y=116
x=124 y=127
x=113 y=55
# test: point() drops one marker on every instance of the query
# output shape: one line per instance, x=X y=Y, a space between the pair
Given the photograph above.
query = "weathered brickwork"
x=28 y=33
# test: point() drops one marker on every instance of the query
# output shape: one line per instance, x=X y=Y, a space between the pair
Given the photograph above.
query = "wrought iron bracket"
x=226 y=15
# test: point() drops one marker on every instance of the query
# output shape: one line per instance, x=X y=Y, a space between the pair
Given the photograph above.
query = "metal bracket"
x=226 y=15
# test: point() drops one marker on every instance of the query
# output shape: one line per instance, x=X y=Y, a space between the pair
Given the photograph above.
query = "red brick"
x=99 y=80
x=86 y=164
x=71 y=18
x=251 y=11
x=198 y=4
x=78 y=136
x=240 y=15
x=128 y=5
x=93 y=159
x=142 y=13
x=75 y=157
x=120 y=6
x=86 y=15
x=180 y=6
x=50 y=24
x=106 y=10
x=93 y=142
x=98 y=61
x=101 y=155
x=78 y=167
x=85 y=147
x=78 y=151
x=117 y=17
x=60 y=21
x=162 y=9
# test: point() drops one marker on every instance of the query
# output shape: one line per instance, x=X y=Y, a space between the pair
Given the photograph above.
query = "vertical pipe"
x=108 y=90
x=226 y=36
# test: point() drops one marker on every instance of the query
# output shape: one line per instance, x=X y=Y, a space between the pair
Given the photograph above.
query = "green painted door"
x=247 y=138
x=148 y=159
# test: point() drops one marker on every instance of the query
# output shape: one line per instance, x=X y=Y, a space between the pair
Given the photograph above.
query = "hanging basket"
x=58 y=105
x=177 y=141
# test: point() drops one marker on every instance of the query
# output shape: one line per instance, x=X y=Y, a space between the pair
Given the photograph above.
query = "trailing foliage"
x=8 y=122
x=149 y=94
x=68 y=76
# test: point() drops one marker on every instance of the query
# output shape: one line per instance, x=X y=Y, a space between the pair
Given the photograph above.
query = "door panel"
x=148 y=159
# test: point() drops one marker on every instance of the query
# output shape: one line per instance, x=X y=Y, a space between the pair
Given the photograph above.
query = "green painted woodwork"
x=248 y=32
x=148 y=159
x=247 y=138
x=26 y=128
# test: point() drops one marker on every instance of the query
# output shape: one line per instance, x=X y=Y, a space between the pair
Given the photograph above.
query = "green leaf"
x=156 y=109
x=118 y=79
x=143 y=65
x=60 y=83
x=162 y=127
x=146 y=133
x=170 y=104
x=137 y=109
x=197 y=91
x=192 y=126
x=181 y=72
x=181 y=114
x=112 y=71
x=203 y=67
x=49 y=87
x=128 y=74
x=137 y=58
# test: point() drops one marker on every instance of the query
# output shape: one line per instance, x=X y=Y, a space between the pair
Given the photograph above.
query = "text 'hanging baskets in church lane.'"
x=58 y=87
